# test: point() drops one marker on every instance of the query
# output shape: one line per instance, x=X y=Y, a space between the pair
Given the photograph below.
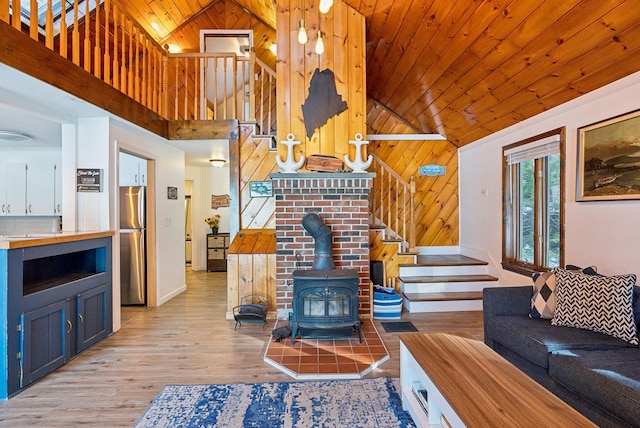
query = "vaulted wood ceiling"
x=462 y=68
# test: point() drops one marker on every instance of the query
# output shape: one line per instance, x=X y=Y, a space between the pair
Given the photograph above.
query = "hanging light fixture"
x=302 y=33
x=325 y=5
x=319 y=44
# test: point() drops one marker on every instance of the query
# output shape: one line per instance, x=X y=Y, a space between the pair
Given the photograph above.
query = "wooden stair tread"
x=445 y=260
x=443 y=296
x=447 y=278
x=377 y=227
x=387 y=241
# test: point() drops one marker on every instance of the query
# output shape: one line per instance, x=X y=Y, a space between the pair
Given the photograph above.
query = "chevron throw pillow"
x=543 y=300
x=598 y=303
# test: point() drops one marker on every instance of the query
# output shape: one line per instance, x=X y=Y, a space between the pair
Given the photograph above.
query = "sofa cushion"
x=535 y=339
x=543 y=301
x=609 y=379
x=598 y=303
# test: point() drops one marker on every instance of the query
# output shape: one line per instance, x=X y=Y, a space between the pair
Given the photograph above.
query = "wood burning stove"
x=325 y=303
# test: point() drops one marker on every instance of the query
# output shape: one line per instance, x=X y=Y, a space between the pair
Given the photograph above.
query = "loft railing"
x=99 y=36
x=392 y=204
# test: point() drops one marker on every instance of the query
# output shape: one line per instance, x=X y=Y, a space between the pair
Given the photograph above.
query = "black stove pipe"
x=322 y=234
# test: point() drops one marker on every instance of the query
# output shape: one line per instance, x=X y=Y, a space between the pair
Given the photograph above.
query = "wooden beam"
x=19 y=51
x=203 y=130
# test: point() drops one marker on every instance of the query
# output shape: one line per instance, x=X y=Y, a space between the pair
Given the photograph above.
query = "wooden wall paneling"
x=283 y=81
x=329 y=139
x=357 y=77
x=245 y=286
x=233 y=281
x=341 y=72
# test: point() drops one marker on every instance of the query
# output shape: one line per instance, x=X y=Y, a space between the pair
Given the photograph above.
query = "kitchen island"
x=55 y=302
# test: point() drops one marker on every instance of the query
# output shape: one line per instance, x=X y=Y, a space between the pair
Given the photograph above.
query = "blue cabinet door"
x=94 y=316
x=45 y=341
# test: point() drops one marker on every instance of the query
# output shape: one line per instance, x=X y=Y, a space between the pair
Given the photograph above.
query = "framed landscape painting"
x=609 y=159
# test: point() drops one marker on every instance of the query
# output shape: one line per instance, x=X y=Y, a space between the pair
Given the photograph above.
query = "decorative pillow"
x=589 y=270
x=597 y=303
x=543 y=301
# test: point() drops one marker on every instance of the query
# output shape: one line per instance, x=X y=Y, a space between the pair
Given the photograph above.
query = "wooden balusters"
x=87 y=37
x=33 y=20
x=4 y=11
x=63 y=32
x=97 y=52
x=48 y=27
x=15 y=18
x=75 y=36
x=392 y=197
x=106 y=61
x=116 y=65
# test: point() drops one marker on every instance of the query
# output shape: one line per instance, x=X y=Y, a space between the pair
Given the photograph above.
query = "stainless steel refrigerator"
x=133 y=272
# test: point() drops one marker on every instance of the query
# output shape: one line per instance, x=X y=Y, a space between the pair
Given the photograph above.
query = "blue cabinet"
x=56 y=302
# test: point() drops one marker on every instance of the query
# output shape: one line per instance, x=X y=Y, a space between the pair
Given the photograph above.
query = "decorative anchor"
x=358 y=165
x=290 y=166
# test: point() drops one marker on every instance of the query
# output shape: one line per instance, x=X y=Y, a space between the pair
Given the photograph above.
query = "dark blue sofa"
x=596 y=374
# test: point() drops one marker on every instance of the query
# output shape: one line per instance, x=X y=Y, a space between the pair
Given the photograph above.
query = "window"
x=534 y=203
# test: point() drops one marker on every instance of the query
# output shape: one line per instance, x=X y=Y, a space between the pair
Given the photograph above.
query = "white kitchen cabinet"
x=41 y=189
x=13 y=187
x=133 y=170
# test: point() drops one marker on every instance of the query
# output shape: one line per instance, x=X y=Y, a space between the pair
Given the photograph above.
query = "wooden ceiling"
x=462 y=68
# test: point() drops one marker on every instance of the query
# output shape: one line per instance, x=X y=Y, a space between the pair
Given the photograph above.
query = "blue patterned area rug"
x=334 y=403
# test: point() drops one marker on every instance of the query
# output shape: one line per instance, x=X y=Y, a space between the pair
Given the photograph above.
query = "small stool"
x=252 y=308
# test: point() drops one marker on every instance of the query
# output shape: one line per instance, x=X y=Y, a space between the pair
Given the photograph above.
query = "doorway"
x=188 y=214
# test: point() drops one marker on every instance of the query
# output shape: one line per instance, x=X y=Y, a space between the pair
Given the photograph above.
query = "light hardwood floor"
x=185 y=341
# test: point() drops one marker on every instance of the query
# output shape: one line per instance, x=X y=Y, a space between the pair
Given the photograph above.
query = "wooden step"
x=447 y=278
x=445 y=260
x=443 y=296
x=377 y=227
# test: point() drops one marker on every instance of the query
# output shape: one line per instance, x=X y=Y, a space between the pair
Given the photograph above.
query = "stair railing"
x=98 y=36
x=392 y=204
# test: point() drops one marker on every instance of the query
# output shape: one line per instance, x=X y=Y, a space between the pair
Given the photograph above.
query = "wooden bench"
x=468 y=384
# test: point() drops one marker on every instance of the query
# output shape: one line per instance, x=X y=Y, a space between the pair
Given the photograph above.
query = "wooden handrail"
x=393 y=205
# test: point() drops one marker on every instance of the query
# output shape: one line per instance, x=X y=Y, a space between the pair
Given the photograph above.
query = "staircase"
x=444 y=282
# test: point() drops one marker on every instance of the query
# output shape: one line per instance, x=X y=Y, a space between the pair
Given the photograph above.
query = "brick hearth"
x=342 y=201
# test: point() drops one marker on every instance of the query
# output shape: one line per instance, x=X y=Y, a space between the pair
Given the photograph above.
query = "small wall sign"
x=218 y=201
x=88 y=180
x=172 y=193
x=432 y=170
x=260 y=189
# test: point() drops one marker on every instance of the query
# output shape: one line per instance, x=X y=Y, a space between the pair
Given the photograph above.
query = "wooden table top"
x=485 y=389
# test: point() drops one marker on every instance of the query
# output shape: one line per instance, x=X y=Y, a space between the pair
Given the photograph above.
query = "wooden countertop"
x=8 y=242
x=258 y=241
x=483 y=388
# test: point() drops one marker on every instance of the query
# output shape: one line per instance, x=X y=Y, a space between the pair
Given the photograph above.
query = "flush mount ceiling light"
x=14 y=137
x=217 y=163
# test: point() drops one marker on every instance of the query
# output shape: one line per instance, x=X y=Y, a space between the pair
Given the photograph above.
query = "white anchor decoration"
x=290 y=166
x=358 y=165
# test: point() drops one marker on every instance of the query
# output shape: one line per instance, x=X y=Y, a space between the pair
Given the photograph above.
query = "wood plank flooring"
x=185 y=341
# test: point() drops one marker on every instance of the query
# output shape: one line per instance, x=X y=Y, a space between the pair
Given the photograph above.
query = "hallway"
x=185 y=341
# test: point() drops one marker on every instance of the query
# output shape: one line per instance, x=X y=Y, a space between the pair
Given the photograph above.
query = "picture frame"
x=260 y=189
x=172 y=193
x=609 y=159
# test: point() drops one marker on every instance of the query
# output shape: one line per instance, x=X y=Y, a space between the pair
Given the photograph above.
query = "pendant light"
x=325 y=5
x=319 y=44
x=302 y=33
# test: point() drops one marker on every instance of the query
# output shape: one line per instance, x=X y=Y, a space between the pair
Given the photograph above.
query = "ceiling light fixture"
x=325 y=5
x=274 y=48
x=14 y=137
x=217 y=163
x=302 y=33
x=319 y=44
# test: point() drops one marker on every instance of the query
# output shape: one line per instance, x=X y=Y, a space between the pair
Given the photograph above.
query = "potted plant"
x=213 y=222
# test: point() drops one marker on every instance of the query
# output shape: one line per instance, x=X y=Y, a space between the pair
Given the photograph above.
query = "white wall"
x=207 y=181
x=605 y=234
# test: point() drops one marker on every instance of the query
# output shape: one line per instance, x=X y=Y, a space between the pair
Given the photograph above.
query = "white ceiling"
x=37 y=109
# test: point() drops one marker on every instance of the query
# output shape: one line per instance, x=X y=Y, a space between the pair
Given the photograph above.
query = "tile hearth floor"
x=340 y=358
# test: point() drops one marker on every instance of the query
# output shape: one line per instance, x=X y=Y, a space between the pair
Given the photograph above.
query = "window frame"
x=510 y=234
